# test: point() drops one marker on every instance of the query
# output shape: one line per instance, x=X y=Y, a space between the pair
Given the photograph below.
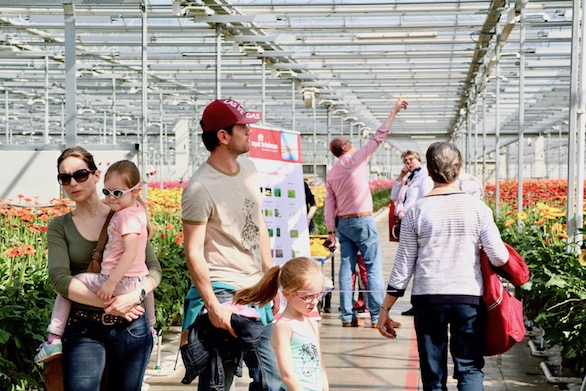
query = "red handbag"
x=393 y=220
x=504 y=313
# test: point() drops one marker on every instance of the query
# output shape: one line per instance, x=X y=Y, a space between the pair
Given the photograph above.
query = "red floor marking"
x=412 y=381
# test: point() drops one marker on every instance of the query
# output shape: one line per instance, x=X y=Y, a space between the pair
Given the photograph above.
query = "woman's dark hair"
x=80 y=153
x=444 y=162
x=210 y=139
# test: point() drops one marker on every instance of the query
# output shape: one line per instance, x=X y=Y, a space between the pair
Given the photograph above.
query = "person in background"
x=311 y=207
x=470 y=185
x=349 y=200
x=114 y=334
x=296 y=335
x=440 y=249
x=412 y=183
x=226 y=239
x=123 y=266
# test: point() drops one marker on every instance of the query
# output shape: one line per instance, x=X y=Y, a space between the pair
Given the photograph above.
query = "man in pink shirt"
x=349 y=201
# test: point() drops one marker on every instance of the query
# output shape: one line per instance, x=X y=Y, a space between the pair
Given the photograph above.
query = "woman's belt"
x=101 y=317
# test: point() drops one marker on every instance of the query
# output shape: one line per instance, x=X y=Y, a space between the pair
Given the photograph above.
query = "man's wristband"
x=382 y=307
x=331 y=232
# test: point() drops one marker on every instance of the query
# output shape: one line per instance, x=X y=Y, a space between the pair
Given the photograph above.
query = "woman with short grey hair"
x=440 y=244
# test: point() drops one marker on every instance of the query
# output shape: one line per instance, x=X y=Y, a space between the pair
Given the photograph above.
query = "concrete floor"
x=361 y=359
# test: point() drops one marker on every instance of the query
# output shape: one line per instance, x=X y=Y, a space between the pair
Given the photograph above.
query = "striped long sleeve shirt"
x=440 y=244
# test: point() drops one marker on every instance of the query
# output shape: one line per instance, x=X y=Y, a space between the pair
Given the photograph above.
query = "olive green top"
x=70 y=254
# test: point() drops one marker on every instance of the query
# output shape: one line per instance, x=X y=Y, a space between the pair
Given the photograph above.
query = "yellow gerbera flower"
x=522 y=215
x=509 y=222
x=582 y=258
x=539 y=222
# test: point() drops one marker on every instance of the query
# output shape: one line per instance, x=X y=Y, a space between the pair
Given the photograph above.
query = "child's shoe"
x=49 y=351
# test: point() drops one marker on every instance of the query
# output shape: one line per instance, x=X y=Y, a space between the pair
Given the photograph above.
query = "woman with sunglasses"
x=104 y=330
x=295 y=336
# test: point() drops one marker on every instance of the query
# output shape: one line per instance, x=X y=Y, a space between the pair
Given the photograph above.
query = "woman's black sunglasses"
x=79 y=176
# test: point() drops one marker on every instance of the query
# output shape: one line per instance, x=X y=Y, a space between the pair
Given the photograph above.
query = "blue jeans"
x=89 y=347
x=466 y=344
x=360 y=234
x=261 y=362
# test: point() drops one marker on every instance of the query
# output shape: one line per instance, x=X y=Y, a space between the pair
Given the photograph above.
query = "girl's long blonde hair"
x=291 y=276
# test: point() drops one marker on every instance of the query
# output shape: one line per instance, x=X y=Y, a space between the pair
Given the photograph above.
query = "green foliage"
x=174 y=285
x=26 y=297
x=555 y=296
x=24 y=313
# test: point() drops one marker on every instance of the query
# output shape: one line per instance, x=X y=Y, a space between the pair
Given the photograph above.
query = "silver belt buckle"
x=104 y=320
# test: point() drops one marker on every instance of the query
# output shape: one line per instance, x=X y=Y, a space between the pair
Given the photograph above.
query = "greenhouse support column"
x=144 y=100
x=475 y=140
x=314 y=143
x=161 y=138
x=330 y=159
x=468 y=138
x=559 y=151
x=105 y=125
x=62 y=122
x=114 y=119
x=579 y=234
x=292 y=104
x=263 y=98
x=497 y=128
x=46 y=133
x=7 y=116
x=484 y=135
x=520 y=139
x=195 y=142
x=218 y=61
x=572 y=127
x=70 y=77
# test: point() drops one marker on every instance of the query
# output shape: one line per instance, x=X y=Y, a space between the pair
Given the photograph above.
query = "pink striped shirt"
x=347 y=188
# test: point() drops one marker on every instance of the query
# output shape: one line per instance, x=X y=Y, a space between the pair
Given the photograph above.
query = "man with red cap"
x=225 y=237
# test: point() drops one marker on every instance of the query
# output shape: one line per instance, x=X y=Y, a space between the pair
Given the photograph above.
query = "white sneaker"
x=49 y=351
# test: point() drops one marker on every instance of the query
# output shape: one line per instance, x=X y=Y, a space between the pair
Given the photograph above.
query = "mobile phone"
x=327 y=244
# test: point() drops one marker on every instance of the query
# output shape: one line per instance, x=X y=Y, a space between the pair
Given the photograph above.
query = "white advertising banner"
x=277 y=156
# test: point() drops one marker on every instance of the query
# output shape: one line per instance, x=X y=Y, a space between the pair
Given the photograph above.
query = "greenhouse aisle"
x=360 y=358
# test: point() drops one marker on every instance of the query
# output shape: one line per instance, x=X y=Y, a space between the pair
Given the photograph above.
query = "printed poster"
x=277 y=157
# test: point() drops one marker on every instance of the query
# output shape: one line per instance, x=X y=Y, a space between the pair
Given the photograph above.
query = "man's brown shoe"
x=354 y=323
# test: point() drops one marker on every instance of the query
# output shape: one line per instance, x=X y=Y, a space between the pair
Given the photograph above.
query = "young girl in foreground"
x=123 y=266
x=295 y=337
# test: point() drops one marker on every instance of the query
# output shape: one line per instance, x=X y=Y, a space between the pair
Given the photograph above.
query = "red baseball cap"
x=223 y=113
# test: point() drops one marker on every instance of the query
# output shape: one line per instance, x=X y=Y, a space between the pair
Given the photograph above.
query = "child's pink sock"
x=52 y=337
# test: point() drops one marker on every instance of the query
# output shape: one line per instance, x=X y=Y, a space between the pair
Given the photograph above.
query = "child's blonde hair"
x=291 y=276
x=130 y=175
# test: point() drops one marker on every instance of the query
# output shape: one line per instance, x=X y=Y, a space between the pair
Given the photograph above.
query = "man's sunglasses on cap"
x=118 y=193
x=79 y=176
